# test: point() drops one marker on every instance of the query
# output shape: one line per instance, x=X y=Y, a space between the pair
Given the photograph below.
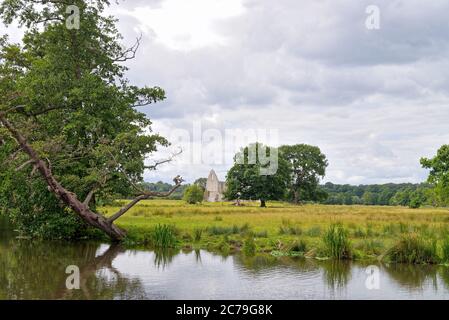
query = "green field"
x=282 y=228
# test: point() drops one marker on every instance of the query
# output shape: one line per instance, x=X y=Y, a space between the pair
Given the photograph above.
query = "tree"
x=417 y=198
x=308 y=167
x=369 y=198
x=193 y=194
x=201 y=182
x=439 y=174
x=68 y=113
x=248 y=179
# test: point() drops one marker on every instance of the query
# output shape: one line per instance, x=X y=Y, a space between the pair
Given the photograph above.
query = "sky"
x=372 y=94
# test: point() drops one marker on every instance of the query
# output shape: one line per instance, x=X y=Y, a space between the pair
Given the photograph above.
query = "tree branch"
x=89 y=197
x=21 y=167
x=158 y=163
x=129 y=53
x=54 y=186
x=144 y=196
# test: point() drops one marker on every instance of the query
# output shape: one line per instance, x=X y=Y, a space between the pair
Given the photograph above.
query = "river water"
x=37 y=270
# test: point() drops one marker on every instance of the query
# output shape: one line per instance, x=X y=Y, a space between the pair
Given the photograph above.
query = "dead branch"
x=129 y=53
x=158 y=163
x=145 y=195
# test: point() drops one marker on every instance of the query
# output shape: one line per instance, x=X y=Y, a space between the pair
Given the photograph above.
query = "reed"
x=164 y=236
x=413 y=248
x=336 y=242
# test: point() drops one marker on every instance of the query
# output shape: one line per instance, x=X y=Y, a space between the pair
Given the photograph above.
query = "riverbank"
x=283 y=229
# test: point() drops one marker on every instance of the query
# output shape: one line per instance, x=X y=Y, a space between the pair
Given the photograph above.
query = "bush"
x=193 y=194
x=412 y=248
x=336 y=242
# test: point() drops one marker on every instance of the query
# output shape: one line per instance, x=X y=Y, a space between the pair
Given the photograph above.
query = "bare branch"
x=125 y=209
x=144 y=196
x=89 y=197
x=129 y=53
x=158 y=163
x=22 y=166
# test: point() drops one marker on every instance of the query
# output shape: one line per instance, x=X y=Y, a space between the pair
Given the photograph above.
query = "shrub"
x=336 y=242
x=164 y=236
x=193 y=194
x=412 y=248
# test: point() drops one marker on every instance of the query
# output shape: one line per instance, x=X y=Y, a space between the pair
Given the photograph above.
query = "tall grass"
x=197 y=234
x=413 y=248
x=235 y=229
x=249 y=246
x=164 y=236
x=336 y=242
x=445 y=250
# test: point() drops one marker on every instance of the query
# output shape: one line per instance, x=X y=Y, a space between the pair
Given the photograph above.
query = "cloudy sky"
x=373 y=100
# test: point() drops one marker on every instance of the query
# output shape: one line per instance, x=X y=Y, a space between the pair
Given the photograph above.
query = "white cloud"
x=186 y=25
x=373 y=101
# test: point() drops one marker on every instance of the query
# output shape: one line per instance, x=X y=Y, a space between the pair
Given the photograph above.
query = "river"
x=37 y=270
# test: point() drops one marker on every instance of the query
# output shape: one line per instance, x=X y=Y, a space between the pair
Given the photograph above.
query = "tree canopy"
x=248 y=179
x=439 y=174
x=308 y=166
x=68 y=112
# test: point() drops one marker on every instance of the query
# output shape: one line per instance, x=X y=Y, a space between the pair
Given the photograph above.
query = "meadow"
x=397 y=234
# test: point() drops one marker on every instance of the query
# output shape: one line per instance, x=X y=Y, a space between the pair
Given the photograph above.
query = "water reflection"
x=36 y=270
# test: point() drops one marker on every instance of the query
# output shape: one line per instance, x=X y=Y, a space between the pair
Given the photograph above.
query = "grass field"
x=285 y=229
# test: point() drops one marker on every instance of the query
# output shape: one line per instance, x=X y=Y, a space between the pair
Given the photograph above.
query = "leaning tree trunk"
x=70 y=199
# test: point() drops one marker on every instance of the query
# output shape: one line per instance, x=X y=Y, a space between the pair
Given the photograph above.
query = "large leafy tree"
x=439 y=174
x=247 y=178
x=308 y=166
x=68 y=112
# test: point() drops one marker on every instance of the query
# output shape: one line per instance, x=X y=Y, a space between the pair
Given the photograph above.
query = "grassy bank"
x=343 y=232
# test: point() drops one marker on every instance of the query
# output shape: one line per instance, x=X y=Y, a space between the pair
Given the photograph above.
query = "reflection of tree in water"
x=336 y=273
x=36 y=270
x=410 y=275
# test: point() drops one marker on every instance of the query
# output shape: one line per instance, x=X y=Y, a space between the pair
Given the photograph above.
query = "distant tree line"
x=301 y=167
x=165 y=187
x=405 y=194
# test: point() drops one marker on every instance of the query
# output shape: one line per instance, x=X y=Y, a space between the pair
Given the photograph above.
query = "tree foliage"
x=308 y=166
x=246 y=178
x=439 y=174
x=193 y=194
x=405 y=194
x=66 y=92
